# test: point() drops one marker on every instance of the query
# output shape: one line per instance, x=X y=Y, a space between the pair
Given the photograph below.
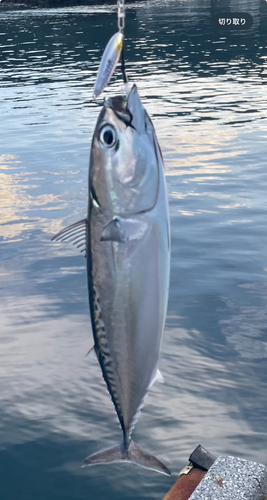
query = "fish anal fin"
x=157 y=377
x=75 y=234
x=133 y=454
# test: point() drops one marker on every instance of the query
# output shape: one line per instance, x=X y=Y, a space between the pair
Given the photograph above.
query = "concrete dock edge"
x=232 y=478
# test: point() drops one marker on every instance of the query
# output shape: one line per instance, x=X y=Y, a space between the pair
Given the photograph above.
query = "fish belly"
x=130 y=281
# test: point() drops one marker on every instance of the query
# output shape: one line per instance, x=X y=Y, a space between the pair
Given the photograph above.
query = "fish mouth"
x=130 y=110
x=119 y=105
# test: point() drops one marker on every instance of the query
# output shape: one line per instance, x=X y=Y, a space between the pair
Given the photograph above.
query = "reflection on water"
x=205 y=91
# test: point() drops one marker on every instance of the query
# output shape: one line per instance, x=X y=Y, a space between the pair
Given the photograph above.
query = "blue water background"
x=205 y=91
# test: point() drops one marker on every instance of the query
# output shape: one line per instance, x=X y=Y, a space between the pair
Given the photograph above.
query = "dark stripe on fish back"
x=104 y=352
x=98 y=325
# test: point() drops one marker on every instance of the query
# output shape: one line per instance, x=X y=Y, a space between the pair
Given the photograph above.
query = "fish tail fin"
x=140 y=457
x=131 y=454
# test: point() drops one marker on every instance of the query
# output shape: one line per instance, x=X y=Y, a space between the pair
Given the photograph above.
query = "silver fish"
x=108 y=63
x=126 y=239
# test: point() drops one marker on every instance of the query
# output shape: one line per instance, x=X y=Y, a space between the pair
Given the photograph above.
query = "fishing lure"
x=108 y=63
x=112 y=54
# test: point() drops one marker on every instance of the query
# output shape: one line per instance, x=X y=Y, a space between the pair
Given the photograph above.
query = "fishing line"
x=113 y=52
x=121 y=26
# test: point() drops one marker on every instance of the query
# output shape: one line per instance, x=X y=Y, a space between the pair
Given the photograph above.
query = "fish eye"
x=108 y=136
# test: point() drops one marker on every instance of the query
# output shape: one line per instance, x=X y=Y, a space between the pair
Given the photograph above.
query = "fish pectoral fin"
x=133 y=454
x=125 y=229
x=114 y=231
x=75 y=234
x=158 y=377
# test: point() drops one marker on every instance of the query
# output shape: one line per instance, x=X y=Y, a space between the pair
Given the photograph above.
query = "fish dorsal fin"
x=114 y=231
x=75 y=234
x=91 y=356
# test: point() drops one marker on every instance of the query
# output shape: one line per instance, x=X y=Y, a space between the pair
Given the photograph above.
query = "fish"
x=108 y=63
x=126 y=240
